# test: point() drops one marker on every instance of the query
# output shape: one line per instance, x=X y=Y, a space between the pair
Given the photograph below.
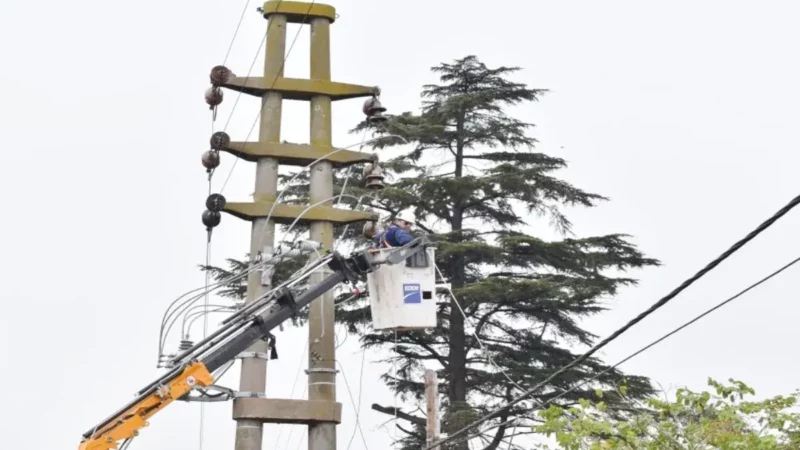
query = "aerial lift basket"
x=403 y=296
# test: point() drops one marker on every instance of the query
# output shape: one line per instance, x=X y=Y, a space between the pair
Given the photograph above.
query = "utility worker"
x=397 y=234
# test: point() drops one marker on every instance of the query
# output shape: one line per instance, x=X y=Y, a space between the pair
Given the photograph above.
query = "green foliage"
x=724 y=418
x=478 y=187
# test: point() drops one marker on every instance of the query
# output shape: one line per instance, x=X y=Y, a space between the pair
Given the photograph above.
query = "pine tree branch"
x=485 y=199
x=485 y=318
x=499 y=435
x=417 y=356
x=392 y=411
x=418 y=341
x=410 y=433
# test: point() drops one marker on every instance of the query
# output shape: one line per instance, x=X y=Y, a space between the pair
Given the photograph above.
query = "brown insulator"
x=213 y=96
x=372 y=106
x=374 y=176
x=377 y=118
x=211 y=159
x=220 y=140
x=220 y=75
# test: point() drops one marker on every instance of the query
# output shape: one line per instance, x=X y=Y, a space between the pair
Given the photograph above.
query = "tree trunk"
x=458 y=353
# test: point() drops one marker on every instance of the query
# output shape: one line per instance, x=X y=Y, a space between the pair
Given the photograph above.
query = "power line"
x=205 y=308
x=255 y=58
x=277 y=75
x=235 y=32
x=475 y=334
x=766 y=224
x=678 y=329
x=353 y=402
x=357 y=428
x=291 y=395
x=673 y=332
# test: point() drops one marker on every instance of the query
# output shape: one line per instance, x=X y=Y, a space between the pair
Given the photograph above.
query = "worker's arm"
x=402 y=237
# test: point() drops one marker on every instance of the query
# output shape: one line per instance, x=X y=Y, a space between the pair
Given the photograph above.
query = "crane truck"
x=193 y=368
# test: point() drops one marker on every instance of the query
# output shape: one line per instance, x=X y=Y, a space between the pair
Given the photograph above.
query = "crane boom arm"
x=194 y=367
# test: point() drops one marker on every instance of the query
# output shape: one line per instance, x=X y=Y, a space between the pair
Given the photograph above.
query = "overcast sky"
x=685 y=114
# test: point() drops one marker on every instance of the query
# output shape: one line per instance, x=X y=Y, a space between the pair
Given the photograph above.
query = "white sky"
x=683 y=114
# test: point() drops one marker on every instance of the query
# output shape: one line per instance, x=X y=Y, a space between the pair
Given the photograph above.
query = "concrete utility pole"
x=251 y=408
x=253 y=377
x=321 y=348
x=432 y=400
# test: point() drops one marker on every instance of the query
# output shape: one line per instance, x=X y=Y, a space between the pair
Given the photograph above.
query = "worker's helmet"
x=405 y=216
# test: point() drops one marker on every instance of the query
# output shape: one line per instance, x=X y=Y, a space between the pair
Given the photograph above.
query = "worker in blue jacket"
x=397 y=234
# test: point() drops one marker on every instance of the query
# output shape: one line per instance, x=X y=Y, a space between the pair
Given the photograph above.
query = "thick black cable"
x=677 y=330
x=668 y=335
x=766 y=224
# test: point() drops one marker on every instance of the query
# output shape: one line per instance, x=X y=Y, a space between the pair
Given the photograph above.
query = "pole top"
x=299 y=12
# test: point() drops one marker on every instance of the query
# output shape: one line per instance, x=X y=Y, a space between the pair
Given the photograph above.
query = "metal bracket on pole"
x=244 y=394
x=321 y=370
x=257 y=355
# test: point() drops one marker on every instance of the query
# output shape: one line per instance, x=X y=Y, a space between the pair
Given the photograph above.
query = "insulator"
x=369 y=230
x=213 y=96
x=220 y=75
x=373 y=106
x=367 y=169
x=215 y=202
x=185 y=344
x=220 y=140
x=211 y=159
x=377 y=118
x=374 y=176
x=211 y=218
x=375 y=184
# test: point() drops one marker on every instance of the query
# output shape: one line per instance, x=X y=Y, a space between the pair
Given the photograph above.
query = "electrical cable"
x=353 y=402
x=475 y=335
x=394 y=369
x=358 y=406
x=666 y=336
x=204 y=315
x=252 y=64
x=235 y=32
x=344 y=188
x=310 y=207
x=511 y=442
x=291 y=431
x=291 y=394
x=164 y=330
x=189 y=313
x=308 y=166
x=678 y=329
x=277 y=75
x=735 y=247
x=186 y=303
x=205 y=306
x=232 y=324
x=166 y=326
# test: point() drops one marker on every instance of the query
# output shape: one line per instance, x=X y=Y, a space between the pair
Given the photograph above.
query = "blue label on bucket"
x=412 y=293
